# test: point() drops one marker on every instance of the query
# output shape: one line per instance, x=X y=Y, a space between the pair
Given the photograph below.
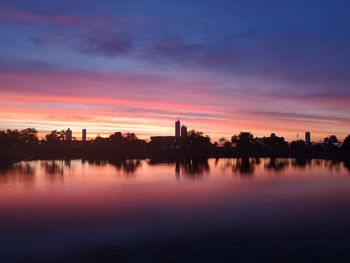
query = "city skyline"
x=181 y=130
x=82 y=134
x=122 y=67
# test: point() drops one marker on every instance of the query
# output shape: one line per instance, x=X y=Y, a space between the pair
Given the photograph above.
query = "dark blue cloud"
x=107 y=44
x=26 y=66
x=298 y=43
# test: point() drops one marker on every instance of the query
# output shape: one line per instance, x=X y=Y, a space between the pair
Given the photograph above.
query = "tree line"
x=25 y=143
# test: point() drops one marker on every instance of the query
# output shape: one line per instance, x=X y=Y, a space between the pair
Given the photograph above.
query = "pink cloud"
x=148 y=104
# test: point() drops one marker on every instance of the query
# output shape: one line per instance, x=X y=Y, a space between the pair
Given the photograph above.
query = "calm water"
x=220 y=210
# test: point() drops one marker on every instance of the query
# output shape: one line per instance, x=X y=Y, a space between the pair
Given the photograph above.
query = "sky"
x=221 y=67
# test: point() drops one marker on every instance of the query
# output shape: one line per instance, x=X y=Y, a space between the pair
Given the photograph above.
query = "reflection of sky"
x=220 y=67
x=77 y=176
x=57 y=206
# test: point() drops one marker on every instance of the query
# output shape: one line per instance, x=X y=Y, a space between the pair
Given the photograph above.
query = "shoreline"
x=341 y=157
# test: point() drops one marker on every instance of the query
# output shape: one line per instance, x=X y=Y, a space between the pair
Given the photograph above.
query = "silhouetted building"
x=177 y=128
x=83 y=135
x=68 y=135
x=165 y=142
x=307 y=137
x=183 y=131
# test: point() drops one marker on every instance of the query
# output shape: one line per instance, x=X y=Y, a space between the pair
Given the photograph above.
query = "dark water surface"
x=218 y=210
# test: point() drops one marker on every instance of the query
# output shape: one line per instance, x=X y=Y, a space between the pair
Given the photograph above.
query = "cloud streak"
x=111 y=66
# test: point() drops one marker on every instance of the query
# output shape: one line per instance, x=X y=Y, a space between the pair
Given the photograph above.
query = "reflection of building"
x=183 y=131
x=68 y=135
x=83 y=136
x=177 y=169
x=177 y=128
x=307 y=137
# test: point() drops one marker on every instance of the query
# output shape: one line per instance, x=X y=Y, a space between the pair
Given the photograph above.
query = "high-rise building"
x=68 y=134
x=183 y=131
x=307 y=137
x=177 y=128
x=83 y=135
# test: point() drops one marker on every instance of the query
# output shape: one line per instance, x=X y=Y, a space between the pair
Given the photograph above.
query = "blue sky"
x=221 y=66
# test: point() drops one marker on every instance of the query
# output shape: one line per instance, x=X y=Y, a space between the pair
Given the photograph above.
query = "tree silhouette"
x=116 y=138
x=129 y=137
x=5 y=142
x=298 y=146
x=224 y=142
x=331 y=142
x=55 y=137
x=29 y=136
x=197 y=138
x=21 y=144
x=244 y=141
x=14 y=138
x=276 y=142
x=346 y=143
x=234 y=140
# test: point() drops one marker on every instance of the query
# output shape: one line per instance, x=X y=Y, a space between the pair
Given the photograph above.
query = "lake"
x=216 y=210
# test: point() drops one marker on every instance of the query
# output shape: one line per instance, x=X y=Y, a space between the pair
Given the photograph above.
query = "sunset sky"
x=221 y=67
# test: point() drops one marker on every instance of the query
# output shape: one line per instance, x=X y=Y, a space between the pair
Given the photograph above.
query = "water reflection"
x=194 y=168
x=84 y=211
x=244 y=167
x=190 y=168
x=347 y=165
x=54 y=170
x=97 y=162
x=301 y=163
x=22 y=171
x=128 y=166
x=53 y=167
x=277 y=165
x=21 y=168
x=317 y=163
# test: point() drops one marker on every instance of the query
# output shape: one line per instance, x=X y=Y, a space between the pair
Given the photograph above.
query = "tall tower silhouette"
x=68 y=134
x=177 y=128
x=183 y=131
x=83 y=135
x=308 y=137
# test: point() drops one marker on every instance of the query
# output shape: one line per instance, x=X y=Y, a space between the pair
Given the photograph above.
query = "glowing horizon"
x=117 y=67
